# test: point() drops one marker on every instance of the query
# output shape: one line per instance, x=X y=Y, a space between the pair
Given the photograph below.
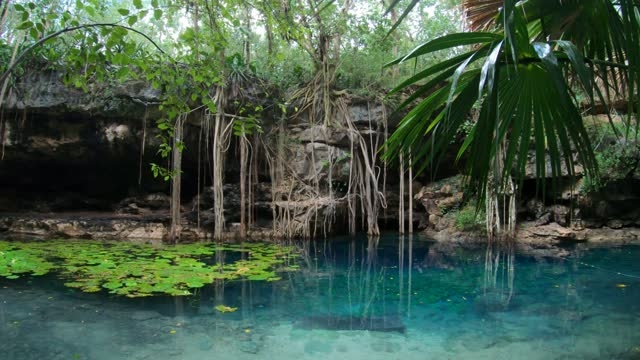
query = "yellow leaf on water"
x=225 y=309
x=621 y=286
x=172 y=332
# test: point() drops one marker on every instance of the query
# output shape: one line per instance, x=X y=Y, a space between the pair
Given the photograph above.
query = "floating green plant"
x=15 y=261
x=136 y=270
x=225 y=309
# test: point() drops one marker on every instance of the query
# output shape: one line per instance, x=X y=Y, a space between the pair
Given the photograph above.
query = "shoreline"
x=154 y=227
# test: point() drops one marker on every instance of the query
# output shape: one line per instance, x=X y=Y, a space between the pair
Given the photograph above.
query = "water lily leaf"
x=225 y=309
x=134 y=270
x=112 y=285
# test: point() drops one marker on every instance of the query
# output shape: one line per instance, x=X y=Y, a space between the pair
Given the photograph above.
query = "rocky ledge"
x=151 y=227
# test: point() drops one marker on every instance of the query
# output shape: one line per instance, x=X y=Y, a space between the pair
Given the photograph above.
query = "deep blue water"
x=353 y=299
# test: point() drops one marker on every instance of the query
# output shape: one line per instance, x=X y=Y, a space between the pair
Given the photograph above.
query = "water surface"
x=352 y=299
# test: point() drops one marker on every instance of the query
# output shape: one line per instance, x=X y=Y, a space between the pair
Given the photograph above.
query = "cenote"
x=390 y=298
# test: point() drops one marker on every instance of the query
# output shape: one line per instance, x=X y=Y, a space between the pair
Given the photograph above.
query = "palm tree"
x=520 y=65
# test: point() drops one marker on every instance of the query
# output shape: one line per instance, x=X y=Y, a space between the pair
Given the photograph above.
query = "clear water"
x=435 y=305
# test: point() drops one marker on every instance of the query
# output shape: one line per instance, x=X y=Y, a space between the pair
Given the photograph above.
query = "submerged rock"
x=371 y=323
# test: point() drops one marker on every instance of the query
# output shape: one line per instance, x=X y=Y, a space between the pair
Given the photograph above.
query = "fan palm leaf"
x=519 y=73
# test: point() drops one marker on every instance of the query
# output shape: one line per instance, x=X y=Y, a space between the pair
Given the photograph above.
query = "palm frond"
x=481 y=15
x=530 y=51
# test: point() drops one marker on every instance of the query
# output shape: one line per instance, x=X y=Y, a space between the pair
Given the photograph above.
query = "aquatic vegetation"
x=137 y=270
x=225 y=309
x=15 y=261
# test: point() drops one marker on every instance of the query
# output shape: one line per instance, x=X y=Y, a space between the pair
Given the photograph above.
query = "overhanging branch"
x=70 y=29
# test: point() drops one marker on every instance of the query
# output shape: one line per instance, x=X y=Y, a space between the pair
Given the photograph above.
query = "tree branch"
x=70 y=29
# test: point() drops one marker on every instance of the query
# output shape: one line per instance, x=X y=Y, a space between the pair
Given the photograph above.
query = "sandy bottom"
x=46 y=324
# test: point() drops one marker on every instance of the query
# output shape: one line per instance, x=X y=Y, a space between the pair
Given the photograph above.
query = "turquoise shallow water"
x=485 y=303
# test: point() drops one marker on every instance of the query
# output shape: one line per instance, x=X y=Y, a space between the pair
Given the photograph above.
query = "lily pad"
x=136 y=270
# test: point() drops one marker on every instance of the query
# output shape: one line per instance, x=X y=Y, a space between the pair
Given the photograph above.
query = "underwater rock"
x=143 y=315
x=250 y=347
x=317 y=347
x=371 y=323
x=492 y=302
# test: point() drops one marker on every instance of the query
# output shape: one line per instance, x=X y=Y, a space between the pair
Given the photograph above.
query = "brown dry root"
x=364 y=178
x=500 y=202
x=301 y=205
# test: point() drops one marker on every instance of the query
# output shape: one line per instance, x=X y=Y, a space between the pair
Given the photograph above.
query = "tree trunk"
x=401 y=200
x=243 y=185
x=176 y=176
x=247 y=40
x=220 y=144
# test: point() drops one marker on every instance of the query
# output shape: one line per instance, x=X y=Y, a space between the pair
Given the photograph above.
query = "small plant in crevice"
x=469 y=218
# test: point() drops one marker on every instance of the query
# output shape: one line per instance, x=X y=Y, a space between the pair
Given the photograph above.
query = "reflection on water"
x=386 y=298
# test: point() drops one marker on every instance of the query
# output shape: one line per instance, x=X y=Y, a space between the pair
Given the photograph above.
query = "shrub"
x=469 y=218
x=617 y=155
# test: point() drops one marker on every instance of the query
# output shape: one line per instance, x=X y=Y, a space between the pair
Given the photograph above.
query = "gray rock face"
x=320 y=161
x=326 y=135
x=46 y=92
x=67 y=150
x=140 y=205
x=365 y=114
x=530 y=168
x=84 y=226
x=440 y=197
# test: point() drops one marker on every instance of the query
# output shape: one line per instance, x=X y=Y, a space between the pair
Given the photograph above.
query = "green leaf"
x=123 y=73
x=578 y=62
x=447 y=42
x=137 y=4
x=132 y=20
x=25 y=25
x=123 y=12
x=189 y=34
x=34 y=33
x=91 y=11
x=157 y=14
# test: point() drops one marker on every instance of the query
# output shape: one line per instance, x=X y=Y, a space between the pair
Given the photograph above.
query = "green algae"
x=137 y=270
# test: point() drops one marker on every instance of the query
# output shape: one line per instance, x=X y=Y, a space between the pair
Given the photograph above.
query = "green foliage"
x=163 y=172
x=468 y=218
x=517 y=74
x=143 y=270
x=225 y=309
x=15 y=261
x=248 y=123
x=617 y=154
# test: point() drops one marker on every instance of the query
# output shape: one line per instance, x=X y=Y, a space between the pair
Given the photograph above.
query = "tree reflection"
x=499 y=275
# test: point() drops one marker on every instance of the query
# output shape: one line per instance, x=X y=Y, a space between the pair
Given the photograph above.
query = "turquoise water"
x=352 y=299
